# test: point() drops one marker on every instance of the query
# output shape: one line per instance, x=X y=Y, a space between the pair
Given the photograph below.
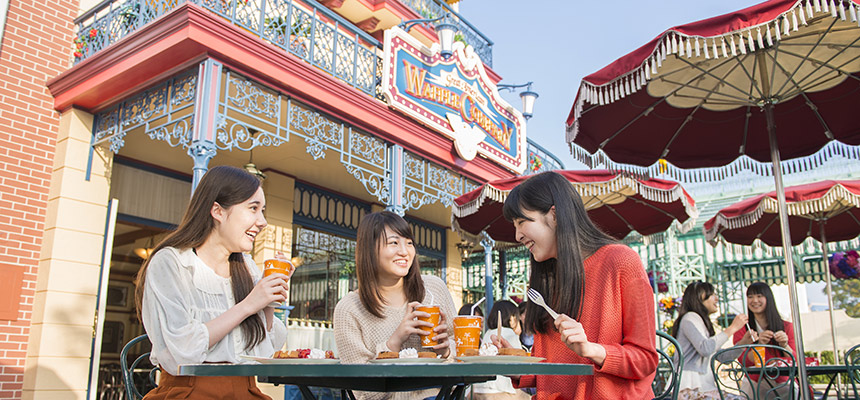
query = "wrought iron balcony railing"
x=540 y=159
x=306 y=29
x=466 y=32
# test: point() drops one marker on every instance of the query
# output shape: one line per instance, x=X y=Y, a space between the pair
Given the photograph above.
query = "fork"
x=535 y=297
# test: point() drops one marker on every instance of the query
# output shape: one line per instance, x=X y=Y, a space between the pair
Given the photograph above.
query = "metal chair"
x=852 y=363
x=133 y=391
x=765 y=381
x=668 y=378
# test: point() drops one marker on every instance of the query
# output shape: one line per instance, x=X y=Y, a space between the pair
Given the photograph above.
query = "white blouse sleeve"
x=169 y=313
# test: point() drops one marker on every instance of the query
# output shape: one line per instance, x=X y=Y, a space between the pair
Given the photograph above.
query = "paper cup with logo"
x=277 y=266
x=467 y=332
x=434 y=318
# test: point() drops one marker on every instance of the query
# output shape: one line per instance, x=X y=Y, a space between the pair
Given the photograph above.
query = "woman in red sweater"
x=598 y=286
x=769 y=328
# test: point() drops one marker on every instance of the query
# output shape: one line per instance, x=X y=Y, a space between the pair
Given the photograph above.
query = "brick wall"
x=36 y=47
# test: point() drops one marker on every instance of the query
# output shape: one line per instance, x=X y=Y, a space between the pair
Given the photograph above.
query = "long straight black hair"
x=562 y=279
x=771 y=314
x=226 y=186
x=694 y=294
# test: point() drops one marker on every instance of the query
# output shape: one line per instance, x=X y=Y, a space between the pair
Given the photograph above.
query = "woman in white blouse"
x=699 y=341
x=201 y=297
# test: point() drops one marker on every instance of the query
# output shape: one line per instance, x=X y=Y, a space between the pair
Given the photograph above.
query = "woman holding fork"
x=598 y=287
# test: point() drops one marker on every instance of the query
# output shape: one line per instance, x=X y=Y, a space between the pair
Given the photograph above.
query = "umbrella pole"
x=786 y=245
x=830 y=306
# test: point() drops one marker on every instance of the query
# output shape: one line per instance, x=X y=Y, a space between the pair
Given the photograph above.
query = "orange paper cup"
x=277 y=266
x=434 y=318
x=758 y=356
x=467 y=332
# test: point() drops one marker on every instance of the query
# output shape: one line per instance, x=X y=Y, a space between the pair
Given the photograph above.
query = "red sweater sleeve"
x=636 y=356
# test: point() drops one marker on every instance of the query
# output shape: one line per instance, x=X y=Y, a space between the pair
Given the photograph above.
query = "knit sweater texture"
x=617 y=313
x=360 y=335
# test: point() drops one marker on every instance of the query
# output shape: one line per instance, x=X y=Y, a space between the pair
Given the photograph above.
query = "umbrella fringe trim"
x=837 y=194
x=592 y=189
x=674 y=42
x=831 y=150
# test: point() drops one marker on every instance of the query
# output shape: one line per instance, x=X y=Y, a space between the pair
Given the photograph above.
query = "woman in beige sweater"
x=380 y=315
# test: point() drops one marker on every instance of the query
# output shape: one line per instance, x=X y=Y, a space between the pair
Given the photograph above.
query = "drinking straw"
x=472 y=311
x=432 y=299
x=499 y=328
x=752 y=332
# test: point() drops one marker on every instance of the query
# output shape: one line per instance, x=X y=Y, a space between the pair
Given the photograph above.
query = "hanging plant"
x=845 y=264
x=669 y=304
x=662 y=286
x=81 y=43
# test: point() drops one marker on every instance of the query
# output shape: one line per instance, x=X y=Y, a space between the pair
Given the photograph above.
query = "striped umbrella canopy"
x=825 y=210
x=617 y=203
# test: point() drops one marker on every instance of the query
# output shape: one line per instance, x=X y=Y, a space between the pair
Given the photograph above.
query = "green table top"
x=384 y=370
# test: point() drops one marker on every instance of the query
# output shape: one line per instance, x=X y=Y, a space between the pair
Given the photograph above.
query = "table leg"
x=459 y=392
x=444 y=393
x=306 y=393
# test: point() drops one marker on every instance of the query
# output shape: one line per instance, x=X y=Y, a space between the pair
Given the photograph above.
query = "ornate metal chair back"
x=852 y=362
x=760 y=376
x=135 y=391
x=670 y=362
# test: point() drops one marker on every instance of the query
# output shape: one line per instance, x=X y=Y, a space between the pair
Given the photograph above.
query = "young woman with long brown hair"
x=201 y=297
x=381 y=315
x=597 y=285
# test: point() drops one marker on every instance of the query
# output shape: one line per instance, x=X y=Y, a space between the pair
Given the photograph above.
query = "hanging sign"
x=454 y=97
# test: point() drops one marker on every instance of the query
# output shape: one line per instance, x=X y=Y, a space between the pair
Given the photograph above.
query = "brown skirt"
x=205 y=387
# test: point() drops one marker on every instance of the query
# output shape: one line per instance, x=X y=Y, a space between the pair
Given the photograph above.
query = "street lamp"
x=527 y=96
x=444 y=32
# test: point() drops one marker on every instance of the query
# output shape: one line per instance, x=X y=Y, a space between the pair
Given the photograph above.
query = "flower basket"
x=845 y=264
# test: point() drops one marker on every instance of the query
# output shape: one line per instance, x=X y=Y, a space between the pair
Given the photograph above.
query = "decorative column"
x=398 y=180
x=202 y=147
x=487 y=242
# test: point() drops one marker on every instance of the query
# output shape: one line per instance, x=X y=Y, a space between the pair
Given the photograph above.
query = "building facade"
x=113 y=111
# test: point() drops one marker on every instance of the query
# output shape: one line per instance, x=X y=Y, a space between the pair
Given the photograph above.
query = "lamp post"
x=444 y=32
x=528 y=97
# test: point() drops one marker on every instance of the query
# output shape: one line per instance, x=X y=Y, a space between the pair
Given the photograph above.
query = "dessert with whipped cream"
x=488 y=349
x=408 y=353
x=314 y=354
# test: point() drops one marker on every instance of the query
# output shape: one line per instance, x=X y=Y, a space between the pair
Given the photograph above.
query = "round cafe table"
x=452 y=378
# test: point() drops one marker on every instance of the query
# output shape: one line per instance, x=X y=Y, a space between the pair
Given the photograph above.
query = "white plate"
x=267 y=360
x=408 y=360
x=500 y=359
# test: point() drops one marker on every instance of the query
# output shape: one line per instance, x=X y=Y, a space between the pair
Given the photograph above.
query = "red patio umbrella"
x=826 y=210
x=617 y=203
x=778 y=78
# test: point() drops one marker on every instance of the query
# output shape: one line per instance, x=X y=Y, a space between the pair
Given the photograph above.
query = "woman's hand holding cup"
x=410 y=325
x=279 y=268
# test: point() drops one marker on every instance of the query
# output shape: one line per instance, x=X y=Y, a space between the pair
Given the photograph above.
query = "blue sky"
x=555 y=43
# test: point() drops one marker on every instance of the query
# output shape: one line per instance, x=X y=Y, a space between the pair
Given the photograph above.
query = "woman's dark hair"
x=371 y=237
x=771 y=315
x=694 y=295
x=467 y=310
x=561 y=280
x=508 y=310
x=226 y=186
